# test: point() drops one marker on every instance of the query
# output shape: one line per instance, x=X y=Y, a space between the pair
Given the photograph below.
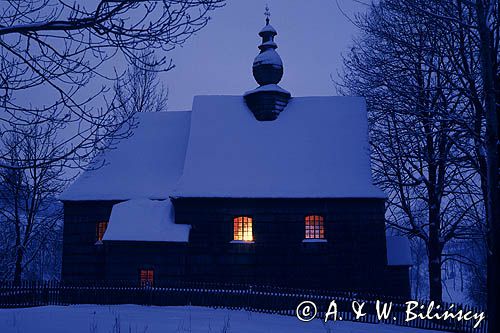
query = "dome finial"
x=267 y=13
x=267 y=66
x=268 y=100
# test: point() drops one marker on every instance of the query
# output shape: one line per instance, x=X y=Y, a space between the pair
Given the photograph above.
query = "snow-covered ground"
x=151 y=319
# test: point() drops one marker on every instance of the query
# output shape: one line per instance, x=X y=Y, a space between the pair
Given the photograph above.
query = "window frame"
x=242 y=241
x=149 y=281
x=317 y=228
x=98 y=230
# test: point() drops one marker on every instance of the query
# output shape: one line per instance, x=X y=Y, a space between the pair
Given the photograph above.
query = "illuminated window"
x=100 y=230
x=146 y=277
x=243 y=229
x=315 y=228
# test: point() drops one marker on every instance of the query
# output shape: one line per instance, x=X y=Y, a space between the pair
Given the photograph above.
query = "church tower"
x=269 y=99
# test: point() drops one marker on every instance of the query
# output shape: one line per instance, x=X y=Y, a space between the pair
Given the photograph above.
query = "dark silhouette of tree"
x=55 y=48
x=29 y=213
x=420 y=127
x=476 y=24
x=140 y=89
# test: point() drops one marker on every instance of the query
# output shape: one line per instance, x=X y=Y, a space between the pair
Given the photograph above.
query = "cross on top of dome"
x=267 y=13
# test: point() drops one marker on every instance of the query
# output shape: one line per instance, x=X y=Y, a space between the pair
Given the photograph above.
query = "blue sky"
x=312 y=35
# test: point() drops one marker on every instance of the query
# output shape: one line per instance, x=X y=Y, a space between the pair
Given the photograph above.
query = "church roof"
x=317 y=148
x=145 y=165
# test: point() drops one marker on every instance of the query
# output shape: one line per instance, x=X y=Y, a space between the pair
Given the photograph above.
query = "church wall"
x=124 y=260
x=398 y=281
x=82 y=258
x=354 y=258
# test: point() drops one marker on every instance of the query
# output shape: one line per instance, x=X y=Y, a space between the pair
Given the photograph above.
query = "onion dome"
x=268 y=100
x=267 y=66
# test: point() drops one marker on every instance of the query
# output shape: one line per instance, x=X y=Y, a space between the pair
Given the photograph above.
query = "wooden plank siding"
x=354 y=229
x=82 y=258
x=353 y=259
x=124 y=259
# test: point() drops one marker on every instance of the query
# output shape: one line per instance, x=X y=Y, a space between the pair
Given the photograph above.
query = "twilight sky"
x=312 y=35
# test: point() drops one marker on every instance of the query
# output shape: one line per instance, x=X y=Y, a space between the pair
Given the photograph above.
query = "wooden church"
x=261 y=188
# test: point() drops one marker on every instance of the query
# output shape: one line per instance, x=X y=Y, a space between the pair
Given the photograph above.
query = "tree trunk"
x=434 y=249
x=19 y=266
x=493 y=204
x=434 y=246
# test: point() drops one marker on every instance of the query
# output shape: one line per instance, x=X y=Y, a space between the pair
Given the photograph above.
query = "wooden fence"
x=264 y=299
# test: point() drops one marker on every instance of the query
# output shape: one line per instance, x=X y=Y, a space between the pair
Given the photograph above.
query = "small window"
x=315 y=228
x=100 y=230
x=243 y=229
x=146 y=277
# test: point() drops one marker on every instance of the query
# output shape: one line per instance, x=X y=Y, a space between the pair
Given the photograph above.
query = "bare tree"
x=400 y=66
x=54 y=48
x=476 y=24
x=30 y=215
x=140 y=89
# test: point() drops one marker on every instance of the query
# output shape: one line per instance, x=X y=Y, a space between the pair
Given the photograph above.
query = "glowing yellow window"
x=315 y=227
x=101 y=229
x=243 y=229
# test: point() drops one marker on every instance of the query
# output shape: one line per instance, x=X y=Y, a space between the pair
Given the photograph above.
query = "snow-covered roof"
x=270 y=43
x=145 y=165
x=268 y=57
x=145 y=220
x=268 y=87
x=398 y=251
x=318 y=147
x=268 y=28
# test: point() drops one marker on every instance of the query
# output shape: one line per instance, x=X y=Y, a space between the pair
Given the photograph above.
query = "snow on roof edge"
x=145 y=220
